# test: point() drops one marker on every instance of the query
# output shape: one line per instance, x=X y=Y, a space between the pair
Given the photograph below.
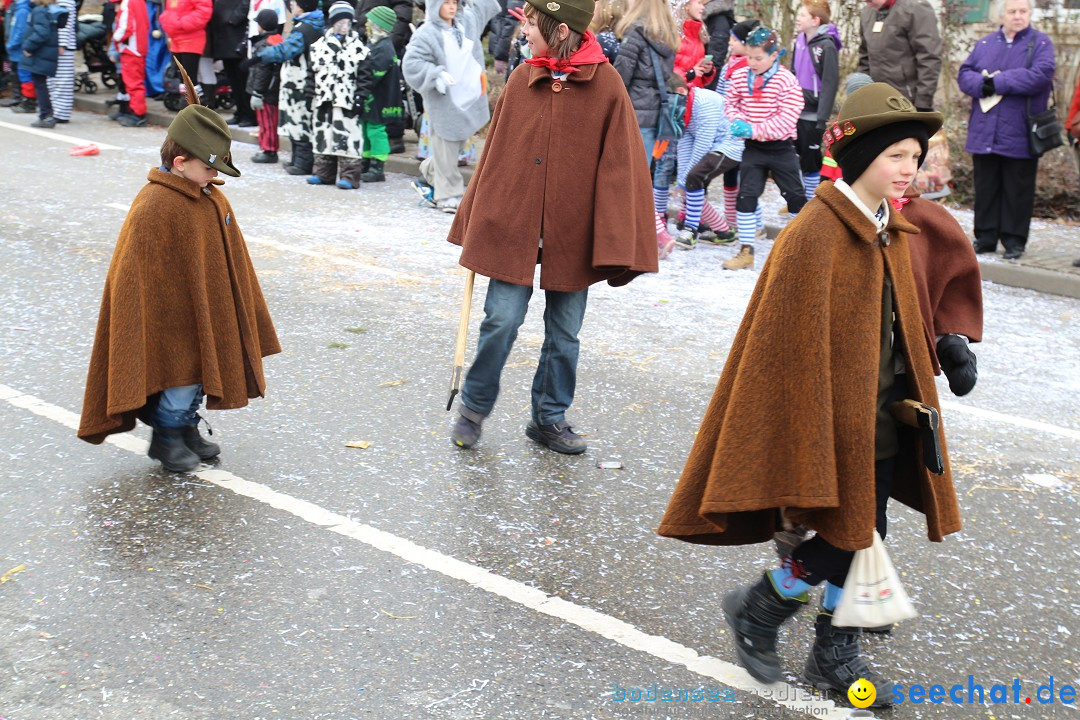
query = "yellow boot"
x=743 y=261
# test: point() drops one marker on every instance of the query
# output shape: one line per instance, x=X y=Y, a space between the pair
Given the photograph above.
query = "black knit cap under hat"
x=742 y=30
x=308 y=5
x=267 y=20
x=873 y=118
x=577 y=14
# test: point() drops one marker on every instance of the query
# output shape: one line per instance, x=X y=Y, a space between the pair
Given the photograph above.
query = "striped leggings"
x=62 y=86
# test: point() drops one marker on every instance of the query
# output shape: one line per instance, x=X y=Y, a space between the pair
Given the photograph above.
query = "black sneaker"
x=46 y=122
x=264 y=157
x=133 y=121
x=465 y=432
x=560 y=437
x=835 y=662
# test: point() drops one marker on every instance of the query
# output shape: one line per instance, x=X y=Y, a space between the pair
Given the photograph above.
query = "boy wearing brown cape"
x=182 y=314
x=798 y=430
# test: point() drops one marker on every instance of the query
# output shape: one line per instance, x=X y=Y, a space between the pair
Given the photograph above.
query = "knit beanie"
x=577 y=14
x=742 y=30
x=308 y=5
x=382 y=16
x=856 y=156
x=267 y=20
x=765 y=38
x=856 y=80
x=340 y=10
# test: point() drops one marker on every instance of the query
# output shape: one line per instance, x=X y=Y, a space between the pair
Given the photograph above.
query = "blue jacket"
x=1004 y=130
x=297 y=42
x=42 y=39
x=15 y=22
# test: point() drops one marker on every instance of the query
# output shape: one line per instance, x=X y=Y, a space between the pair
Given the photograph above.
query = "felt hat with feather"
x=202 y=132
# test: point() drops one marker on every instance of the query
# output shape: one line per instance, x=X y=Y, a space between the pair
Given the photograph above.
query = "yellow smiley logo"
x=862 y=693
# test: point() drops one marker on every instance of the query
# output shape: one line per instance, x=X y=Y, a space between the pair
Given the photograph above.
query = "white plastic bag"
x=873 y=595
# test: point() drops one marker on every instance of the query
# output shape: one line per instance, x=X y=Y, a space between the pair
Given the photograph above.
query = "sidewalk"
x=1045 y=267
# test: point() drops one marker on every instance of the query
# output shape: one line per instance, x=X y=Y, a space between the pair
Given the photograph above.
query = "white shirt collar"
x=879 y=222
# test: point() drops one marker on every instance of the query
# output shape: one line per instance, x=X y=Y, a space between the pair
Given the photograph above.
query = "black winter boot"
x=755 y=614
x=174 y=454
x=28 y=106
x=122 y=109
x=374 y=172
x=303 y=158
x=835 y=662
x=199 y=445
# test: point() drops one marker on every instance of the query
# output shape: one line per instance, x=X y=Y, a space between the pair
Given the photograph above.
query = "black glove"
x=988 y=87
x=958 y=363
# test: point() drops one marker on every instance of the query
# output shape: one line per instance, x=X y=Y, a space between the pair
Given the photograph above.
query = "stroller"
x=173 y=97
x=92 y=39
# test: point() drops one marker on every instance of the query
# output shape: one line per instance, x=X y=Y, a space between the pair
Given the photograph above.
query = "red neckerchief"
x=735 y=65
x=589 y=53
x=898 y=205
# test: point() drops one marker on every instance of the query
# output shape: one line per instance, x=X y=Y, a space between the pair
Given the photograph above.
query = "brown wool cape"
x=181 y=306
x=563 y=160
x=791 y=424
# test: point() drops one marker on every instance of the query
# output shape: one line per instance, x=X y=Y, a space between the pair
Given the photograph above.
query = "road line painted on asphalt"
x=59 y=136
x=311 y=253
x=1011 y=420
x=592 y=621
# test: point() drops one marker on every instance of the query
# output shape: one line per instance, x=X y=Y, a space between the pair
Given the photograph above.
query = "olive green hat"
x=871 y=107
x=577 y=14
x=382 y=16
x=202 y=132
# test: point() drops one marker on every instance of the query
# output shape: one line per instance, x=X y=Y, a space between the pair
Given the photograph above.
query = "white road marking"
x=794 y=698
x=1011 y=420
x=59 y=136
x=329 y=257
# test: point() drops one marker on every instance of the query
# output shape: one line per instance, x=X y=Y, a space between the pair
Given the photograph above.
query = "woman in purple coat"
x=1006 y=70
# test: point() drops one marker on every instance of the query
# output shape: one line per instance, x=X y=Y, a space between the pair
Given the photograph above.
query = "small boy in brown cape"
x=799 y=431
x=182 y=314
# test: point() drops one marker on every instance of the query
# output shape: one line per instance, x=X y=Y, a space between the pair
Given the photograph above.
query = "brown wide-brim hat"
x=204 y=134
x=871 y=107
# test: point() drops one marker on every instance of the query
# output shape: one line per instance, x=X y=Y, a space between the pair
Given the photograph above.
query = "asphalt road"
x=299 y=578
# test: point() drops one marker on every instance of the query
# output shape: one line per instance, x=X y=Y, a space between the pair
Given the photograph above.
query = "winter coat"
x=1004 y=130
x=816 y=65
x=947 y=278
x=402 y=31
x=181 y=306
x=791 y=426
x=16 y=20
x=226 y=35
x=426 y=57
x=719 y=17
x=264 y=79
x=503 y=27
x=609 y=43
x=378 y=84
x=635 y=67
x=42 y=40
x=294 y=105
x=906 y=53
x=335 y=63
x=1072 y=120
x=132 y=28
x=184 y=22
x=691 y=51
x=562 y=161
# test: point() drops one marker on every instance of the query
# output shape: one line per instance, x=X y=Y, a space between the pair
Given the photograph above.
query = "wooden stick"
x=462 y=335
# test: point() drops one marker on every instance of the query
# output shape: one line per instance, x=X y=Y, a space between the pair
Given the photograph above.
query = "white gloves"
x=256 y=102
x=443 y=82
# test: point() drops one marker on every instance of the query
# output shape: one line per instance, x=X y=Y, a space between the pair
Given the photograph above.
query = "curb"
x=1011 y=274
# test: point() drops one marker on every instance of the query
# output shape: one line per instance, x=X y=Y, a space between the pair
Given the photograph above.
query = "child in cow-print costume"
x=336 y=127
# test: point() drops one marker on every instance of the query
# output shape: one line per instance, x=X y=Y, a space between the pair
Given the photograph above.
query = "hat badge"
x=212 y=160
x=900 y=103
x=554 y=6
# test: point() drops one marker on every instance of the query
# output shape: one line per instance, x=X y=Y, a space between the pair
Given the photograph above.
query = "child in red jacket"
x=131 y=38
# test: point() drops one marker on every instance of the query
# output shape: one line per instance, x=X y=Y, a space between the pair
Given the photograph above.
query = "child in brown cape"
x=182 y=314
x=798 y=430
x=565 y=150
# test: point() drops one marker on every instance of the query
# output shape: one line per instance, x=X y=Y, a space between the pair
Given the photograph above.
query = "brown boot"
x=743 y=261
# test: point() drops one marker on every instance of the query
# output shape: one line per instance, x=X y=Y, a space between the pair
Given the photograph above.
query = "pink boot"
x=664 y=244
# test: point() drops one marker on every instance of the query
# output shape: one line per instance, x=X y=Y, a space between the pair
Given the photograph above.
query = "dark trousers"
x=759 y=160
x=329 y=168
x=1004 y=200
x=808 y=145
x=190 y=63
x=708 y=169
x=44 y=101
x=238 y=82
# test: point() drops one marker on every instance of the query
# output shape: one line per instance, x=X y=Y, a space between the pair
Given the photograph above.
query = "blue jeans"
x=177 y=407
x=648 y=137
x=556 y=375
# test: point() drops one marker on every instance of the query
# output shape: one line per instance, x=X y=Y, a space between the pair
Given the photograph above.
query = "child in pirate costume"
x=583 y=215
x=339 y=136
x=294 y=111
x=378 y=91
x=799 y=430
x=182 y=314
